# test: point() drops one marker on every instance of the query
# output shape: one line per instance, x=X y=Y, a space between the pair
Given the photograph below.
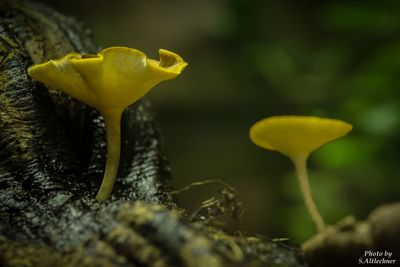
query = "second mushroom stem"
x=112 y=121
x=300 y=163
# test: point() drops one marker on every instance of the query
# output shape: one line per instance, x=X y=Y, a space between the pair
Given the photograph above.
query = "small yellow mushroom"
x=109 y=81
x=296 y=137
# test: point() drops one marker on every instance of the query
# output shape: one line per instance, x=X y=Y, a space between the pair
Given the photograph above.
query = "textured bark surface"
x=52 y=147
x=52 y=155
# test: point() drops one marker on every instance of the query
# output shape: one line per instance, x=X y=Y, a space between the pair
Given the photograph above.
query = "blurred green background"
x=253 y=59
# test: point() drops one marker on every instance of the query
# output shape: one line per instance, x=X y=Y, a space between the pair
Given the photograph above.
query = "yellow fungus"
x=296 y=137
x=109 y=81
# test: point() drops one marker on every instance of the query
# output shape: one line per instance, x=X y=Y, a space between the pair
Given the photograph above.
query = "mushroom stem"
x=112 y=121
x=300 y=162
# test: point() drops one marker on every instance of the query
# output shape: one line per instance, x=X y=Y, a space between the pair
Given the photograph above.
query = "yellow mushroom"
x=296 y=137
x=109 y=81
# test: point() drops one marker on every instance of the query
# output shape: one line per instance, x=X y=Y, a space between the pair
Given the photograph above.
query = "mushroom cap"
x=111 y=79
x=297 y=135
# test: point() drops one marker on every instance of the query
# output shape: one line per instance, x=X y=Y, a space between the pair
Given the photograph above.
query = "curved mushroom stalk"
x=109 y=81
x=113 y=138
x=296 y=137
x=300 y=163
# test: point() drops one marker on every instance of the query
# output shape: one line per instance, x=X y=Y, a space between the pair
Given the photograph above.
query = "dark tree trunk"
x=52 y=155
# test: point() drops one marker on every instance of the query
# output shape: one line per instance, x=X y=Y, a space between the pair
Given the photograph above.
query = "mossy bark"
x=52 y=156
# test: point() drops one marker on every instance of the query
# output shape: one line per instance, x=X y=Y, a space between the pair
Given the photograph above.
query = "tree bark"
x=52 y=155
